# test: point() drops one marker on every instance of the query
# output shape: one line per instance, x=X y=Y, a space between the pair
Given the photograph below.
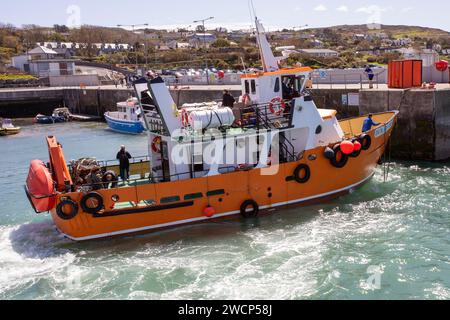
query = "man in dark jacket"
x=124 y=158
x=228 y=99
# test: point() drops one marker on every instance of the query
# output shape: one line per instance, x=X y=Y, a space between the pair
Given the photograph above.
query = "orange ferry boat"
x=207 y=161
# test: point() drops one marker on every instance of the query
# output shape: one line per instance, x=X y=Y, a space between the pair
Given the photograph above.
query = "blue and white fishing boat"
x=127 y=119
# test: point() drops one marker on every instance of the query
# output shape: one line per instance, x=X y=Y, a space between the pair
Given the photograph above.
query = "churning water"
x=385 y=241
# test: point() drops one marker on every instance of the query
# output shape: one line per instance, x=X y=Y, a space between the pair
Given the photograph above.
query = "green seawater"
x=384 y=241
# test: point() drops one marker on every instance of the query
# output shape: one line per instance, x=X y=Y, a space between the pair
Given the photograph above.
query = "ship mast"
x=269 y=62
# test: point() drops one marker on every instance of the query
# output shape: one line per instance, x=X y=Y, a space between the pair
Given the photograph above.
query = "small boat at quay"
x=8 y=129
x=127 y=119
x=59 y=115
x=276 y=150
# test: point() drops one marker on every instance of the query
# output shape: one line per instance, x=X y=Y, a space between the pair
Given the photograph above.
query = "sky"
x=232 y=14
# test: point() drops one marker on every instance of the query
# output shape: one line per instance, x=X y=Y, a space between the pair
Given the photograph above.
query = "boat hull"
x=123 y=126
x=9 y=131
x=184 y=202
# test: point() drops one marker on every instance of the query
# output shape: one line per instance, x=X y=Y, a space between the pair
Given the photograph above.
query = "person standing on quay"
x=124 y=158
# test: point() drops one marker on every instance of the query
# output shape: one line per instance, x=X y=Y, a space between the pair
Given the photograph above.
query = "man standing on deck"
x=228 y=99
x=124 y=158
x=368 y=124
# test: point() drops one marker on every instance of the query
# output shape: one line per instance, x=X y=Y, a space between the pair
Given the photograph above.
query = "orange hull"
x=184 y=202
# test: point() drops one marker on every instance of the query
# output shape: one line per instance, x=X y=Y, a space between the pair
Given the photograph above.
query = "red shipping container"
x=405 y=74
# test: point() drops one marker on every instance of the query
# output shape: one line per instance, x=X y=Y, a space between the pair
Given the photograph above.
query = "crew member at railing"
x=369 y=123
x=124 y=159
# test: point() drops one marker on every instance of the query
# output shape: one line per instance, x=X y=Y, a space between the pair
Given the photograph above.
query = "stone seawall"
x=423 y=130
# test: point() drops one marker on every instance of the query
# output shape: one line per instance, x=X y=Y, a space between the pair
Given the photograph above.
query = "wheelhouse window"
x=277 y=85
x=253 y=85
x=247 y=87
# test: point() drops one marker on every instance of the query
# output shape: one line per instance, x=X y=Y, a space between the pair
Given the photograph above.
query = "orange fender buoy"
x=347 y=147
x=209 y=212
x=357 y=145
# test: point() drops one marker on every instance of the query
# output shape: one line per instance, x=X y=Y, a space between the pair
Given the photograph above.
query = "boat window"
x=300 y=82
x=215 y=193
x=167 y=200
x=253 y=83
x=277 y=85
x=193 y=196
x=247 y=87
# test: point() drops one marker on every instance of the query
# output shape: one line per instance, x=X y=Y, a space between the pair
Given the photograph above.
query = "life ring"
x=297 y=173
x=366 y=142
x=338 y=154
x=281 y=106
x=249 y=213
x=114 y=182
x=185 y=118
x=246 y=100
x=63 y=213
x=92 y=203
x=156 y=145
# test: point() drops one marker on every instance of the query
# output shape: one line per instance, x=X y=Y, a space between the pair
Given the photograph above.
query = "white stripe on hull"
x=182 y=222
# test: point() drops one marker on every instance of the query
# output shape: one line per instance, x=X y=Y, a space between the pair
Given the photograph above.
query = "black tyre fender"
x=298 y=171
x=73 y=212
x=95 y=196
x=249 y=214
x=344 y=158
x=366 y=142
x=356 y=154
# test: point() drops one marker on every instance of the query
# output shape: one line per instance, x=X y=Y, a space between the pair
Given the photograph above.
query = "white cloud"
x=373 y=9
x=343 y=9
x=407 y=9
x=320 y=8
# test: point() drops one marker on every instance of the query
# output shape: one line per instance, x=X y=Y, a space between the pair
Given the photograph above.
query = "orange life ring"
x=277 y=101
x=156 y=145
x=185 y=118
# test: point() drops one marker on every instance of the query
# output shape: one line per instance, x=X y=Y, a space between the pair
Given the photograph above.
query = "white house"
x=320 y=52
x=43 y=62
x=200 y=40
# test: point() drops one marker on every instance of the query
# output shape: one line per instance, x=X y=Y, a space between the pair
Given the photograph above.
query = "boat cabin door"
x=165 y=161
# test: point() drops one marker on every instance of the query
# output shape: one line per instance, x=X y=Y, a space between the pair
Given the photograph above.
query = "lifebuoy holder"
x=277 y=106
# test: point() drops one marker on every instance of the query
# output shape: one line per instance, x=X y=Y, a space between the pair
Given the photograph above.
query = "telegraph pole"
x=133 y=28
x=204 y=43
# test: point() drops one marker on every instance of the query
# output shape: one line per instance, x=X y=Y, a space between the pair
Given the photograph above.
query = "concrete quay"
x=423 y=131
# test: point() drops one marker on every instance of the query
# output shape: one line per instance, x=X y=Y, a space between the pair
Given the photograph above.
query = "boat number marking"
x=382 y=130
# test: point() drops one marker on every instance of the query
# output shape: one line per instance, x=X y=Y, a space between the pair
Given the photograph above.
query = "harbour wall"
x=423 y=131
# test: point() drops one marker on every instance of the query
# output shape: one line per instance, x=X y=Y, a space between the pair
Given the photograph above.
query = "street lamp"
x=133 y=28
x=204 y=43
